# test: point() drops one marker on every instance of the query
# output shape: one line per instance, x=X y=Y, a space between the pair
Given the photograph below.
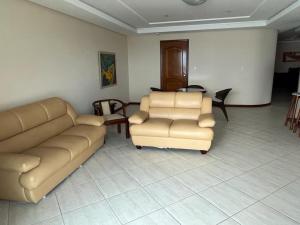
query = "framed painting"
x=291 y=57
x=107 y=62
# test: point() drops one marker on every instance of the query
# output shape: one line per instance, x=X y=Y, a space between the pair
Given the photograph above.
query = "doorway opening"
x=287 y=72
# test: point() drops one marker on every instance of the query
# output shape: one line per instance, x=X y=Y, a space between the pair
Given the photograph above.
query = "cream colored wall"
x=238 y=59
x=44 y=53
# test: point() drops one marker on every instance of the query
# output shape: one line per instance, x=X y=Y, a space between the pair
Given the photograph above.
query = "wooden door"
x=174 y=64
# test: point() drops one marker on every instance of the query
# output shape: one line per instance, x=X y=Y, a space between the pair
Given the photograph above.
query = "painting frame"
x=107 y=69
x=293 y=56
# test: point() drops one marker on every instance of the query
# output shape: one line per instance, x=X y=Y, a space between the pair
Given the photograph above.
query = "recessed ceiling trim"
x=199 y=27
x=100 y=14
x=133 y=11
x=213 y=19
x=258 y=7
x=199 y=20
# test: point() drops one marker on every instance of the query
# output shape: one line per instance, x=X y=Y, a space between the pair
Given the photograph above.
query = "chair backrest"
x=175 y=105
x=107 y=107
x=223 y=94
x=28 y=126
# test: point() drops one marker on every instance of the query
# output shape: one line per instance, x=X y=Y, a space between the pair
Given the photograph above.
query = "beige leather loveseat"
x=41 y=144
x=174 y=120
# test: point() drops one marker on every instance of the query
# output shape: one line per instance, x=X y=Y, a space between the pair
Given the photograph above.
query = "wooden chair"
x=292 y=116
x=107 y=109
x=219 y=100
x=156 y=89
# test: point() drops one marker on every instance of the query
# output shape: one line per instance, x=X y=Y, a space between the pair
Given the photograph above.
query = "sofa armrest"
x=90 y=120
x=18 y=162
x=206 y=120
x=138 y=117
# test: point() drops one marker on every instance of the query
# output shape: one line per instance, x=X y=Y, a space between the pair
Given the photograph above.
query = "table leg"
x=127 y=129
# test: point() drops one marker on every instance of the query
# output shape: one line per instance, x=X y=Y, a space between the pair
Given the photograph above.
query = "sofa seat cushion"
x=155 y=127
x=91 y=133
x=189 y=129
x=74 y=144
x=52 y=160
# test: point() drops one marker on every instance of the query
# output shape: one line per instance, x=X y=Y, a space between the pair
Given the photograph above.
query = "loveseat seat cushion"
x=155 y=127
x=189 y=129
x=91 y=133
x=52 y=160
x=74 y=144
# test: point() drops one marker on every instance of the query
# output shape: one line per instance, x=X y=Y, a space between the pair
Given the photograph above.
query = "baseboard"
x=133 y=103
x=249 y=106
x=227 y=105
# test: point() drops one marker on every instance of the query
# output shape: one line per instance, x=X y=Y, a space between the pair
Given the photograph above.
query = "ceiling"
x=158 y=16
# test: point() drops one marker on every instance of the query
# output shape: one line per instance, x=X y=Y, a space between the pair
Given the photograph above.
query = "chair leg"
x=291 y=108
x=119 y=128
x=297 y=123
x=224 y=111
x=294 y=114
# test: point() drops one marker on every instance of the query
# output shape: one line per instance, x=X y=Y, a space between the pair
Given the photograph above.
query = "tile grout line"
x=107 y=202
x=259 y=201
x=8 y=213
x=60 y=210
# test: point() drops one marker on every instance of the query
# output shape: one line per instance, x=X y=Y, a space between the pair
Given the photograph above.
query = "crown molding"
x=288 y=41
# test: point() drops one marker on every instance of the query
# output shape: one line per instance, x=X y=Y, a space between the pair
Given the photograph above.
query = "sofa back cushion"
x=28 y=126
x=175 y=105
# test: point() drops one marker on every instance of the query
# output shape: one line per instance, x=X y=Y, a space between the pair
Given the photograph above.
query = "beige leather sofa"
x=41 y=144
x=174 y=120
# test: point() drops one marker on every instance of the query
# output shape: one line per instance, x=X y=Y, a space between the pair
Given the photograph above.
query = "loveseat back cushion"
x=175 y=105
x=188 y=100
x=27 y=126
x=162 y=99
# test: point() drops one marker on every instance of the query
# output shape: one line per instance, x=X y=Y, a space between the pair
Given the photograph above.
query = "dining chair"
x=155 y=89
x=195 y=88
x=219 y=100
x=107 y=109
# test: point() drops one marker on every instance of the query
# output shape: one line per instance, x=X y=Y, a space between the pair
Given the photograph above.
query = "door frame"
x=187 y=59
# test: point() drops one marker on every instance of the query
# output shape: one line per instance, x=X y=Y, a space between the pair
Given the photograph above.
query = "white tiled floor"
x=251 y=176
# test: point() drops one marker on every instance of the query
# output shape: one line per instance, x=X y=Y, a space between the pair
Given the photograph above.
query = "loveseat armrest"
x=206 y=120
x=18 y=162
x=138 y=117
x=90 y=120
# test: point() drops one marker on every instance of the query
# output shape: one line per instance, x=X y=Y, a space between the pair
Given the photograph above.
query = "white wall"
x=280 y=66
x=44 y=53
x=238 y=59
